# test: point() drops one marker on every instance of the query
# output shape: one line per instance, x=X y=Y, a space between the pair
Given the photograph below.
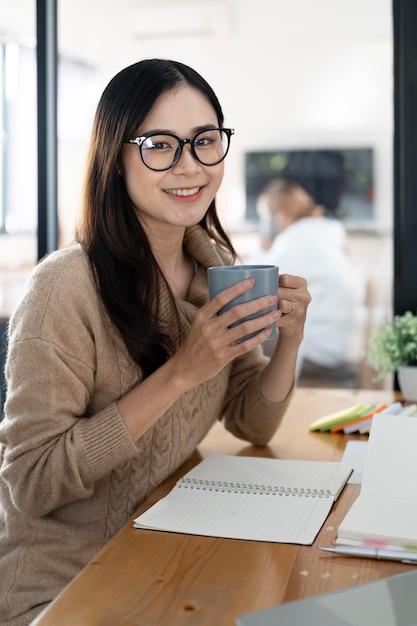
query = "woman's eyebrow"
x=199 y=129
x=166 y=131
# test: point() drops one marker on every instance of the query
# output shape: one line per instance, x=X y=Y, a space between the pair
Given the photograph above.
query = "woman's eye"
x=160 y=145
x=204 y=141
x=157 y=143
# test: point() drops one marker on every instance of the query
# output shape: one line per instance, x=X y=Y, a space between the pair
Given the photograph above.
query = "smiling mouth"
x=183 y=192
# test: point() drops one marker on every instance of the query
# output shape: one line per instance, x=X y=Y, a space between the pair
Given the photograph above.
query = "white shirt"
x=313 y=247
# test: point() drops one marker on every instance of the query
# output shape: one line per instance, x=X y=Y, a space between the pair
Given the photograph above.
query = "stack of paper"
x=385 y=513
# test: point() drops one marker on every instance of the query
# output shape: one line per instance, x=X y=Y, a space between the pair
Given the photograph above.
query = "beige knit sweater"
x=70 y=473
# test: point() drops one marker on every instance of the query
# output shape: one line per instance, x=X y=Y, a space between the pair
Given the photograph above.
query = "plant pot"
x=407 y=380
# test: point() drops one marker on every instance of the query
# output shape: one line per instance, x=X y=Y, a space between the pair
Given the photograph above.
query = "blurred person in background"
x=303 y=241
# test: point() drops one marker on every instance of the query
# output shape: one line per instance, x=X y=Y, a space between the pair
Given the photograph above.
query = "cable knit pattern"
x=70 y=473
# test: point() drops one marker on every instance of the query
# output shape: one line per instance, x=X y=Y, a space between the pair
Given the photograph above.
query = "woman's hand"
x=212 y=342
x=278 y=376
x=294 y=299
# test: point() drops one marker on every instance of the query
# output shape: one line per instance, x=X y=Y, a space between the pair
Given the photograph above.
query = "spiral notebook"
x=250 y=498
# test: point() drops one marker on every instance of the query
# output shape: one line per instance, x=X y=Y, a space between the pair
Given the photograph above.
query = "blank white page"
x=391 y=461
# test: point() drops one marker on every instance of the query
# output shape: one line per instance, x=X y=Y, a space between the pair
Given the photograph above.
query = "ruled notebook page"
x=250 y=498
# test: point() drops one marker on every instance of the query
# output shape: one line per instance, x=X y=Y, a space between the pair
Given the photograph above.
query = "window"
x=19 y=153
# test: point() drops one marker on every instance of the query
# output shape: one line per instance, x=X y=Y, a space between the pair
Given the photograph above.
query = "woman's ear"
x=318 y=210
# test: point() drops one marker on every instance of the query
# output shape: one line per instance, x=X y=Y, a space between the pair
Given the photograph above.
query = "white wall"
x=305 y=73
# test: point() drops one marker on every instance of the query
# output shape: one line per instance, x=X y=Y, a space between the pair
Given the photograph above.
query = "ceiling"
x=92 y=30
x=98 y=31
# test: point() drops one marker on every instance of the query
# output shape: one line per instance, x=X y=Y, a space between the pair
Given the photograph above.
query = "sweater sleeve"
x=247 y=414
x=60 y=433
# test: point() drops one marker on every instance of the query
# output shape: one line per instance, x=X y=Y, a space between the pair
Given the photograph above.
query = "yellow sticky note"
x=327 y=421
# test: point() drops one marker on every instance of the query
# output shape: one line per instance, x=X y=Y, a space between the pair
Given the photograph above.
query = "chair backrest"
x=3 y=350
x=378 y=304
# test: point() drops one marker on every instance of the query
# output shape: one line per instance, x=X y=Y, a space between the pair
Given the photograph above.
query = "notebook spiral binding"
x=268 y=490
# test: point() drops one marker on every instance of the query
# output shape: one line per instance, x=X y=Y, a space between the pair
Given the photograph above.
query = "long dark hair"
x=125 y=269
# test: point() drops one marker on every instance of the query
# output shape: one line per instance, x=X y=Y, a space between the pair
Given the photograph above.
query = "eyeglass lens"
x=160 y=152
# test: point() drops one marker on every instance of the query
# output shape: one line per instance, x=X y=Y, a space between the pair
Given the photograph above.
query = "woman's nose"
x=187 y=161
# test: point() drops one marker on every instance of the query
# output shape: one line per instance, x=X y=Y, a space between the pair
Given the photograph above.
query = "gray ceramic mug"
x=266 y=283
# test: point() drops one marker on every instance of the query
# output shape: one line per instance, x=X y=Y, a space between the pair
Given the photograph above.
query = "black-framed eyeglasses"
x=161 y=151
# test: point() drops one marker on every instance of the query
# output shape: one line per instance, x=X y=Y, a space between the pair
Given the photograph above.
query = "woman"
x=118 y=363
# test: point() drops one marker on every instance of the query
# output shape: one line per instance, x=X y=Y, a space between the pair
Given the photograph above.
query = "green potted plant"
x=393 y=348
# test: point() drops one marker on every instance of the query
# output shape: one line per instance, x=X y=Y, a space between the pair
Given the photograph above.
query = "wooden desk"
x=163 y=579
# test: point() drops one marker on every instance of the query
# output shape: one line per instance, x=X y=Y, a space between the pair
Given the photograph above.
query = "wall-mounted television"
x=341 y=179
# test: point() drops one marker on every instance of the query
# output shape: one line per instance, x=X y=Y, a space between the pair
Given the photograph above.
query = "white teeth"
x=183 y=192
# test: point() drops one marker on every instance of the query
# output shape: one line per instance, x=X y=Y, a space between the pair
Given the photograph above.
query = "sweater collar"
x=201 y=248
